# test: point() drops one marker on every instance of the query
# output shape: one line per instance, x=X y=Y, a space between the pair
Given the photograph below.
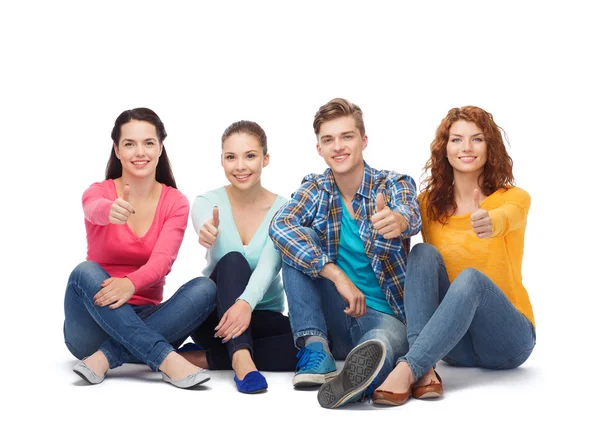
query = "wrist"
x=332 y=272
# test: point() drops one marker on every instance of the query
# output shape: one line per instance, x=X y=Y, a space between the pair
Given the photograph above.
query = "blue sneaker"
x=360 y=370
x=315 y=366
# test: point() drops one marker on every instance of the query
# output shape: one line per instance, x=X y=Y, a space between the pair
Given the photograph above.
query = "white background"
x=69 y=68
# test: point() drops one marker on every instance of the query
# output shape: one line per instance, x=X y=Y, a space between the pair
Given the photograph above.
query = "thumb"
x=216 y=216
x=476 y=199
x=379 y=202
x=126 y=191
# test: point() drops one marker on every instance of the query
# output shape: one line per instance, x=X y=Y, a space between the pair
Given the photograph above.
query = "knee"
x=424 y=253
x=85 y=269
x=468 y=284
x=201 y=292
x=87 y=277
x=235 y=260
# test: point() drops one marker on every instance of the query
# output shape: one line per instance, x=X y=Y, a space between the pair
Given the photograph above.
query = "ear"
x=161 y=150
x=365 y=141
x=116 y=149
x=319 y=150
x=266 y=160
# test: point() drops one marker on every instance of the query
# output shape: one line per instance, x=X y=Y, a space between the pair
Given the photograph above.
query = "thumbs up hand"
x=385 y=221
x=121 y=209
x=480 y=219
x=210 y=230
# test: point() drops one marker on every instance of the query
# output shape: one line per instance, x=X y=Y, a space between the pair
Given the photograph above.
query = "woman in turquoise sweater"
x=232 y=222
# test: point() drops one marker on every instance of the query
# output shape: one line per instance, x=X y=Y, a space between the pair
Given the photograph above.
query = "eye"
x=128 y=144
x=327 y=141
x=229 y=157
x=478 y=139
x=455 y=140
x=150 y=143
x=251 y=156
x=348 y=137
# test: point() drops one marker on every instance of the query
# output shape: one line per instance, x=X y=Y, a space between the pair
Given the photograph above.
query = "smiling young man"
x=344 y=238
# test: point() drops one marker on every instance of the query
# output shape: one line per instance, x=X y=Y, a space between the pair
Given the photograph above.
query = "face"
x=341 y=145
x=243 y=160
x=466 y=148
x=138 y=149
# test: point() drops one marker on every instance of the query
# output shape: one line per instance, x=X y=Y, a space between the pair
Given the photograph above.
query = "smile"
x=341 y=158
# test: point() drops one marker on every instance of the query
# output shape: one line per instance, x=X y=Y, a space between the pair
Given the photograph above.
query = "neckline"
x=160 y=199
x=239 y=238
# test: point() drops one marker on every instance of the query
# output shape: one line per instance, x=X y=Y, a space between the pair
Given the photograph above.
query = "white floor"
x=134 y=403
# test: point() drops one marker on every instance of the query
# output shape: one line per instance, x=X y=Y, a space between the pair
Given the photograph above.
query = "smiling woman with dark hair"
x=135 y=221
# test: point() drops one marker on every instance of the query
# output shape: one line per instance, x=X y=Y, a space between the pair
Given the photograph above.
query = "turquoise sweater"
x=265 y=288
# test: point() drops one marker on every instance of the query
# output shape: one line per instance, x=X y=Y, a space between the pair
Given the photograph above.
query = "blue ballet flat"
x=252 y=383
x=189 y=347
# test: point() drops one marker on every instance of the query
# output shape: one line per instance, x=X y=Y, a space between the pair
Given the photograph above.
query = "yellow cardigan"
x=498 y=257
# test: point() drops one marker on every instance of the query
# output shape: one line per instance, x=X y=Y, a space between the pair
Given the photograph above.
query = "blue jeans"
x=467 y=323
x=131 y=333
x=316 y=308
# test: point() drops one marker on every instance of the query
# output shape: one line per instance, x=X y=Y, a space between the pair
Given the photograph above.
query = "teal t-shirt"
x=353 y=260
x=265 y=288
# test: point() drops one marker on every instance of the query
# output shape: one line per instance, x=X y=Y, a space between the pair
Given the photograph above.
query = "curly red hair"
x=497 y=173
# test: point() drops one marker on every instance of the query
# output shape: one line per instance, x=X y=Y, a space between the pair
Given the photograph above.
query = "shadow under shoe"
x=360 y=369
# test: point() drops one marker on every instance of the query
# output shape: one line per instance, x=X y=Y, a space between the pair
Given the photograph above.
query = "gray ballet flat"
x=87 y=374
x=191 y=380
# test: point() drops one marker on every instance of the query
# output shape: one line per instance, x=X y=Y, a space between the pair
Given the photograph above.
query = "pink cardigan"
x=144 y=260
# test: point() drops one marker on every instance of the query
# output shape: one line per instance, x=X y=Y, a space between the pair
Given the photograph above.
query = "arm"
x=403 y=202
x=96 y=204
x=289 y=237
x=512 y=214
x=202 y=211
x=166 y=248
x=269 y=265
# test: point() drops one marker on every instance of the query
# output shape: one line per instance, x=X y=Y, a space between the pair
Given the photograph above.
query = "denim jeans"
x=269 y=336
x=467 y=323
x=316 y=308
x=131 y=333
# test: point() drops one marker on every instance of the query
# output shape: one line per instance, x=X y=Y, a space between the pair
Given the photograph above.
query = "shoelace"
x=369 y=391
x=309 y=359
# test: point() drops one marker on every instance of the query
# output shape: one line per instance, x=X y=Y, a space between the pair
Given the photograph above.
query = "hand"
x=357 y=306
x=480 y=219
x=116 y=291
x=121 y=209
x=209 y=231
x=235 y=321
x=385 y=221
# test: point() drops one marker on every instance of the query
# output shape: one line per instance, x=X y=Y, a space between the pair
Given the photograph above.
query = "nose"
x=139 y=150
x=239 y=164
x=338 y=144
x=467 y=145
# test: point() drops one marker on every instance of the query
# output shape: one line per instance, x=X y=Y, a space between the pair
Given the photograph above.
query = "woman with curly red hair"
x=464 y=297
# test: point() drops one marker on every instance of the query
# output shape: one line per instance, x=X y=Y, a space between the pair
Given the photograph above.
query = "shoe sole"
x=311 y=380
x=429 y=395
x=361 y=367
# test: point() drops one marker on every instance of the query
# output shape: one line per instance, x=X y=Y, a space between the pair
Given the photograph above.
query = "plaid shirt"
x=317 y=204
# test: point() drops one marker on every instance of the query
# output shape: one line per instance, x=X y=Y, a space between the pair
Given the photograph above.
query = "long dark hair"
x=114 y=169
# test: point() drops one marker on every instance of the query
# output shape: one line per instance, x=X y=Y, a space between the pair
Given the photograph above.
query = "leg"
x=476 y=324
x=274 y=348
x=121 y=324
x=231 y=275
x=176 y=318
x=389 y=330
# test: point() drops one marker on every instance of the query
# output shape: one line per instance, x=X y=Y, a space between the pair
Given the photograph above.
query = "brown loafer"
x=389 y=398
x=431 y=390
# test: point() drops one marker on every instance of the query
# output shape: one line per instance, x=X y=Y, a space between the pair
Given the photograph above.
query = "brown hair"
x=337 y=108
x=249 y=128
x=497 y=171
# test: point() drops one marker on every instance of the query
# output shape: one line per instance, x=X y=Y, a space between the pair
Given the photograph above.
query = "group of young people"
x=338 y=251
